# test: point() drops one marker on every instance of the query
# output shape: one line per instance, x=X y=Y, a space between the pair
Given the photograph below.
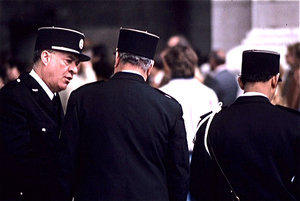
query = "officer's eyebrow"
x=74 y=58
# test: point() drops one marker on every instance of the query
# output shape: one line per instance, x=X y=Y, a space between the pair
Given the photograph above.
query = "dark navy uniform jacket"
x=258 y=147
x=29 y=133
x=124 y=140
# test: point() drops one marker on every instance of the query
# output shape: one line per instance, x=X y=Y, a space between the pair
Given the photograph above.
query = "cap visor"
x=83 y=57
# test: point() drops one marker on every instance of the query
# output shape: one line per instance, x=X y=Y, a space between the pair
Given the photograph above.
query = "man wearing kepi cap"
x=31 y=116
x=251 y=149
x=122 y=139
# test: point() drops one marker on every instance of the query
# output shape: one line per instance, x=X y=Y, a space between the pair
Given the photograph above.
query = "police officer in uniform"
x=254 y=143
x=122 y=139
x=31 y=116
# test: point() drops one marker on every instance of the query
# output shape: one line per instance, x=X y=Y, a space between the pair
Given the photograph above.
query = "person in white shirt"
x=195 y=98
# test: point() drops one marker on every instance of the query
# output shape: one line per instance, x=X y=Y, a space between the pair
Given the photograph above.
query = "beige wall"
x=232 y=20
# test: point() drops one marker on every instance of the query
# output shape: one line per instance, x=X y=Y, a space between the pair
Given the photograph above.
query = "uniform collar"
x=252 y=98
x=131 y=71
x=42 y=84
x=128 y=75
x=253 y=94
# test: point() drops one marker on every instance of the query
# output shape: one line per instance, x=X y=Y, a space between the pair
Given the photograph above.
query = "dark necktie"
x=55 y=102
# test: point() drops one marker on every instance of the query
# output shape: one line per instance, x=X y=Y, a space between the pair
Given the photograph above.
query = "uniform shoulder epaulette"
x=208 y=117
x=288 y=109
x=87 y=85
x=12 y=84
x=165 y=94
x=205 y=115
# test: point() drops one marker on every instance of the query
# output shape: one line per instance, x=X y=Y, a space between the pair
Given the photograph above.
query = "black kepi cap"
x=260 y=61
x=62 y=39
x=137 y=42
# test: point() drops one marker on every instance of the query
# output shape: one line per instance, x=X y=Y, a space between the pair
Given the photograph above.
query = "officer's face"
x=60 y=70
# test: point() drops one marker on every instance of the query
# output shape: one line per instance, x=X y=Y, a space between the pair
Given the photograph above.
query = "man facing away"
x=256 y=144
x=31 y=117
x=220 y=79
x=122 y=139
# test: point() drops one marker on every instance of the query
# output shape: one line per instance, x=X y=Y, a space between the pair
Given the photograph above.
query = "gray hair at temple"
x=135 y=60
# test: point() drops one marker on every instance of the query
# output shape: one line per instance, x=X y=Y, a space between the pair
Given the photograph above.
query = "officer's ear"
x=45 y=57
x=117 y=59
x=242 y=86
x=150 y=68
x=275 y=80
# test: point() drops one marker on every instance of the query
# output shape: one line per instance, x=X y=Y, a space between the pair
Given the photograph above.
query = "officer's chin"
x=63 y=87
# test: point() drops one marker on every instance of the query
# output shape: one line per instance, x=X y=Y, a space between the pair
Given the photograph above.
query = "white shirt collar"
x=42 y=84
x=253 y=94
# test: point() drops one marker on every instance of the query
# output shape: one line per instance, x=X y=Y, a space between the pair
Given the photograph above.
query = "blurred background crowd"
x=213 y=35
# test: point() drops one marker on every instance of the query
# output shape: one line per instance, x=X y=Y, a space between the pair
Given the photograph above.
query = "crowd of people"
x=150 y=126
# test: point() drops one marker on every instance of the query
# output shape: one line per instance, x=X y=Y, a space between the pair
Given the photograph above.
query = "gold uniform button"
x=18 y=80
x=44 y=129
